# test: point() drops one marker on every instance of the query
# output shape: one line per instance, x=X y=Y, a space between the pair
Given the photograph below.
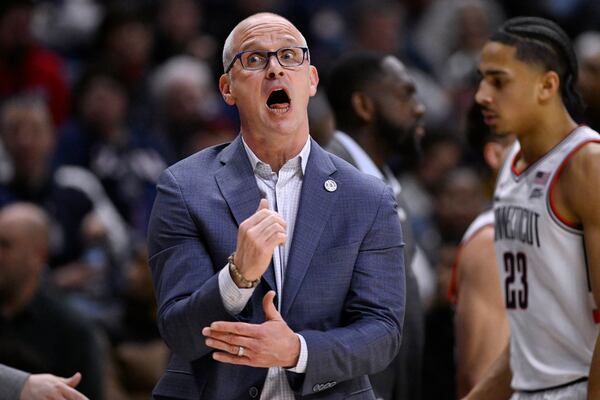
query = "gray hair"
x=181 y=68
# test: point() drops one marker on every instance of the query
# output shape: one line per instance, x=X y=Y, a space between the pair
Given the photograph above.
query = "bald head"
x=30 y=221
x=231 y=46
x=23 y=254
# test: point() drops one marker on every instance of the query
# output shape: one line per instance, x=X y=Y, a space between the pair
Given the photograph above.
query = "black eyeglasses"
x=255 y=60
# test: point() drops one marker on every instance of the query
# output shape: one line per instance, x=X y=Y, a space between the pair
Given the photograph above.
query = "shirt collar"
x=303 y=156
x=362 y=159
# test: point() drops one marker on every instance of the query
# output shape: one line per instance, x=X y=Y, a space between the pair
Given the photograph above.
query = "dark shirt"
x=66 y=206
x=47 y=336
x=128 y=170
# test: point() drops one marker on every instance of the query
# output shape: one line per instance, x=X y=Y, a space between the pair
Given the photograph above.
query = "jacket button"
x=253 y=392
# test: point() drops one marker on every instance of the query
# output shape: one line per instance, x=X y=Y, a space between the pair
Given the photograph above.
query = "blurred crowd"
x=98 y=97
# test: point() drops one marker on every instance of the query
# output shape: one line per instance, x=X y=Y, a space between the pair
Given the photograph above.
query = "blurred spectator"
x=82 y=217
x=378 y=25
x=26 y=67
x=458 y=200
x=124 y=47
x=67 y=25
x=37 y=331
x=178 y=32
x=441 y=154
x=587 y=48
x=139 y=354
x=439 y=365
x=126 y=160
x=189 y=107
x=374 y=102
x=440 y=33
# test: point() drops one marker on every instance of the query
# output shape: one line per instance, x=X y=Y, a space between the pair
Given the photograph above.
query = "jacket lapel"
x=314 y=209
x=237 y=184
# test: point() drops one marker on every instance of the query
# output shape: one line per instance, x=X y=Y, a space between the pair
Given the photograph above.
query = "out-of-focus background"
x=98 y=97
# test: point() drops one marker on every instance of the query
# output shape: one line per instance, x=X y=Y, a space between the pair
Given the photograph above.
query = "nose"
x=482 y=96
x=274 y=69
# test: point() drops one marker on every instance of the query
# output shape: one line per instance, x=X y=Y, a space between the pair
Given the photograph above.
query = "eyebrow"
x=492 y=72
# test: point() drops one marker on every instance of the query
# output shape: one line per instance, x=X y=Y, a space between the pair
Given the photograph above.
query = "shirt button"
x=253 y=392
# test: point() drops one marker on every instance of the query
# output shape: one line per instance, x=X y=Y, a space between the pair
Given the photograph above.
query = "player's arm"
x=496 y=382
x=481 y=324
x=580 y=186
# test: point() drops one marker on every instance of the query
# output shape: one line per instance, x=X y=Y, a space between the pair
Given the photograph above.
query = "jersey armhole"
x=561 y=167
x=453 y=286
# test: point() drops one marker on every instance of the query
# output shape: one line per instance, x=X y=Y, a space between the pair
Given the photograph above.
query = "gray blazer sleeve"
x=11 y=382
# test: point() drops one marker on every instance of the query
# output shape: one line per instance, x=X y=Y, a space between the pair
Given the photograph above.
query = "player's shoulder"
x=583 y=162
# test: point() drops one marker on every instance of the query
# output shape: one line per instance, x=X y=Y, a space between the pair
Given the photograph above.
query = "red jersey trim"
x=513 y=164
x=561 y=167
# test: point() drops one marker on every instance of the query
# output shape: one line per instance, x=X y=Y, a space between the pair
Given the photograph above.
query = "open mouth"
x=279 y=101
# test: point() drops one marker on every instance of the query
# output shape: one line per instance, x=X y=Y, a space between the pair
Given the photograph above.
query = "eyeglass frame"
x=238 y=56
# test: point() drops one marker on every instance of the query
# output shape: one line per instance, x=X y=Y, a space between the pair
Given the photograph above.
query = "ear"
x=492 y=154
x=549 y=86
x=314 y=80
x=225 y=88
x=363 y=106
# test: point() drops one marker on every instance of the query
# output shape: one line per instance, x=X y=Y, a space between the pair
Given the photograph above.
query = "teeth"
x=279 y=110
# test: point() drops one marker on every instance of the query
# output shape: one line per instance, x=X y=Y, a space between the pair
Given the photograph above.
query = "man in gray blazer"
x=278 y=267
x=373 y=99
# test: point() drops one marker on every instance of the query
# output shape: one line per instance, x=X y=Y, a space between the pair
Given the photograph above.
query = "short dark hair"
x=542 y=42
x=349 y=74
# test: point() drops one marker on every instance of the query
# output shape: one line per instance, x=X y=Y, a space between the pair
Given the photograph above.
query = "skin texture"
x=523 y=98
x=480 y=320
x=481 y=325
x=274 y=137
x=50 y=387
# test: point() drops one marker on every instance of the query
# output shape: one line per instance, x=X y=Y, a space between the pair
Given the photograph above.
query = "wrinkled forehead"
x=265 y=31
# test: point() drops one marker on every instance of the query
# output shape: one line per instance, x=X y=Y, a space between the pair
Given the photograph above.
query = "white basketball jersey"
x=543 y=273
x=484 y=219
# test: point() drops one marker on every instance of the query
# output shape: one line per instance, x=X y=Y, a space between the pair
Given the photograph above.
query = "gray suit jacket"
x=11 y=382
x=344 y=286
x=401 y=380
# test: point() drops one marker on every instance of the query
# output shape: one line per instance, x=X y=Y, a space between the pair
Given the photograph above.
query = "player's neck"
x=545 y=136
x=370 y=142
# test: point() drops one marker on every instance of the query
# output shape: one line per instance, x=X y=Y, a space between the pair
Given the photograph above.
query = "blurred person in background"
x=101 y=138
x=587 y=48
x=189 y=109
x=441 y=154
x=378 y=116
x=89 y=238
x=138 y=355
x=178 y=32
x=123 y=47
x=480 y=322
x=25 y=66
x=38 y=332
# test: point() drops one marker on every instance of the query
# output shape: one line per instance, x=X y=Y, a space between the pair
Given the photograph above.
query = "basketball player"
x=480 y=322
x=547 y=223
